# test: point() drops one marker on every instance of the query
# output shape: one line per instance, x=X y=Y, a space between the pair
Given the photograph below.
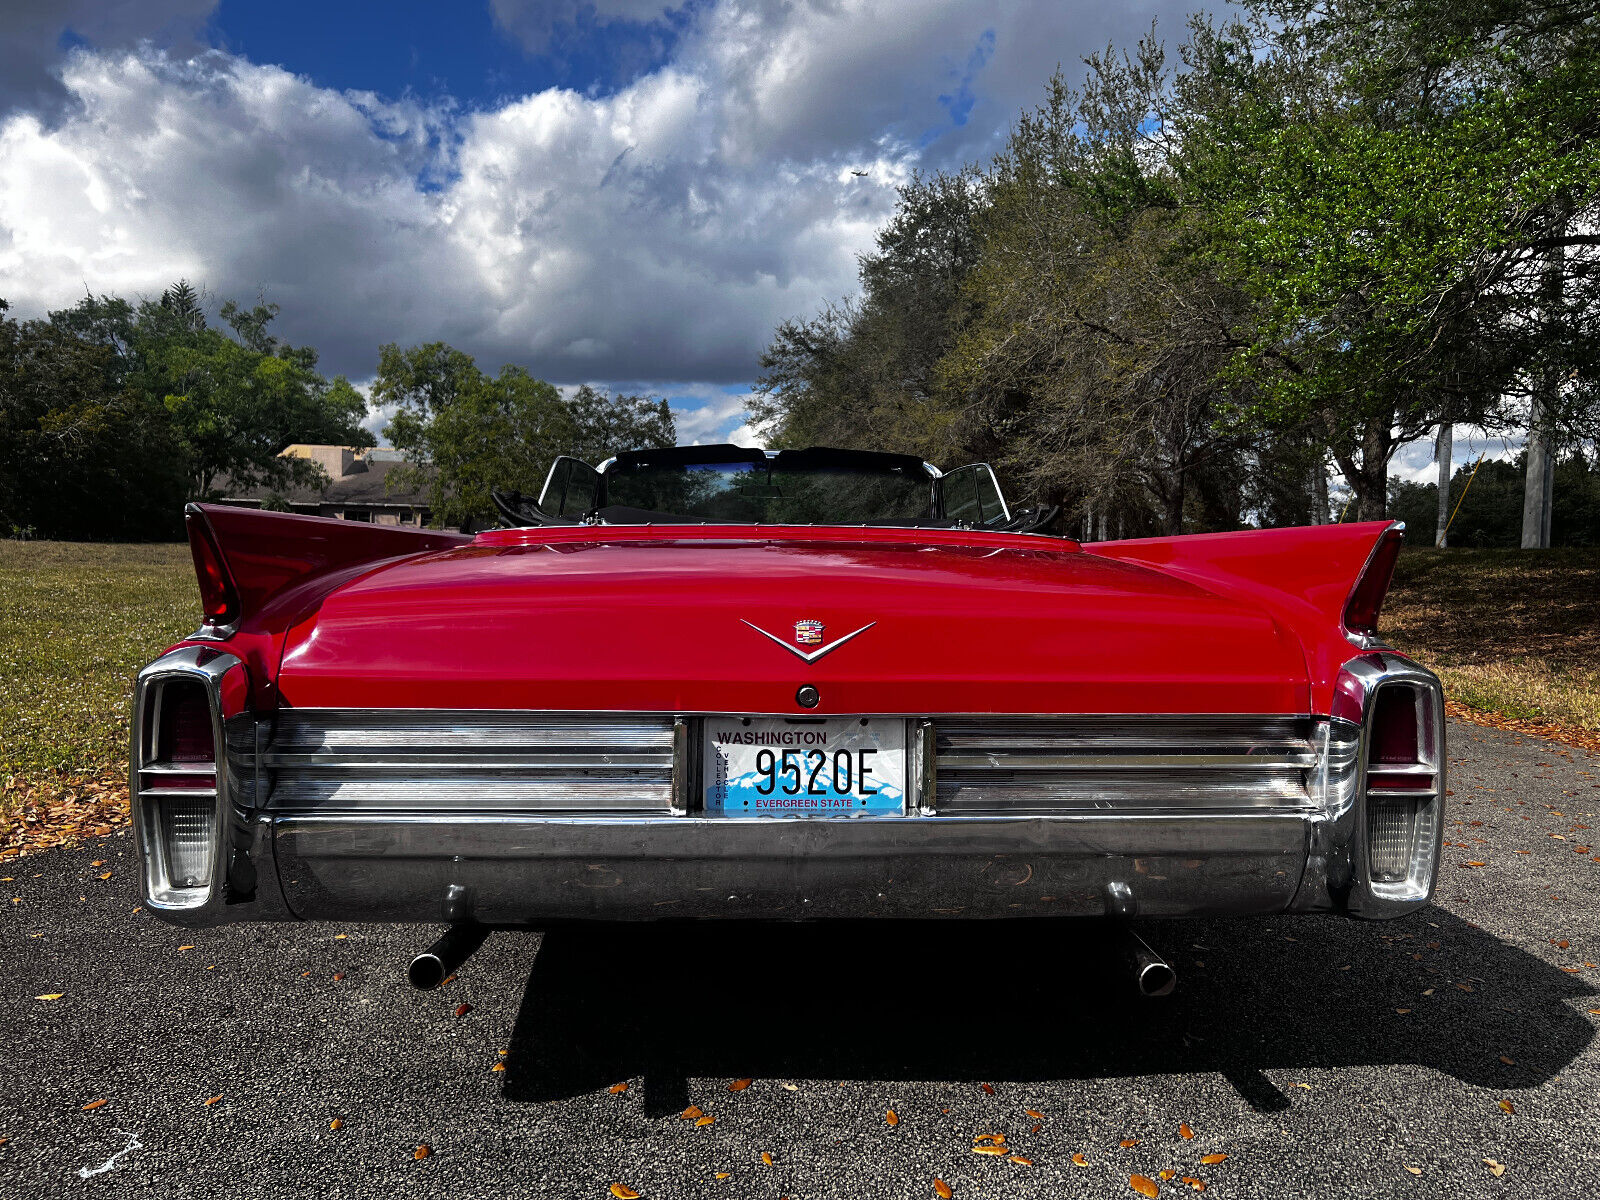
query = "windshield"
x=773 y=492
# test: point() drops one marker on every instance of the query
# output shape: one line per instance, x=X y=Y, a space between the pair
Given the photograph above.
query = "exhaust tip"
x=425 y=972
x=442 y=959
x=1152 y=974
x=1157 y=979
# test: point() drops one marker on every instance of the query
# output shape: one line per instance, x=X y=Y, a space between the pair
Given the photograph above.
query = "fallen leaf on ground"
x=1144 y=1186
x=723 y=1174
x=623 y=1192
x=618 y=1087
x=1402 y=1011
x=1034 y=1113
x=499 y=1066
x=691 y=1113
x=739 y=1085
x=1036 y=1128
x=1017 y=1158
x=448 y=979
x=50 y=996
x=1128 y=1143
x=1079 y=1160
x=339 y=937
x=766 y=1157
x=1415 y=1170
x=1212 y=1160
x=1185 y=1132
x=942 y=1190
x=1197 y=1184
x=94 y=1104
x=1165 y=1175
x=422 y=1152
x=989 y=1149
x=337 y=976
x=1507 y=1106
x=1508 y=1062
x=997 y=1138
x=107 y=875
x=213 y=1100
x=989 y=1087
x=463 y=1009
x=1474 y=864
x=706 y=1120
x=1496 y=1169
x=891 y=1117
x=336 y=1124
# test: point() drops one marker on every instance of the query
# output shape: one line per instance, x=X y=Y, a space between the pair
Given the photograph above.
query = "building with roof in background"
x=358 y=488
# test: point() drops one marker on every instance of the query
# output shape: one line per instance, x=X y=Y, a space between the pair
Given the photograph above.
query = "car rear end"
x=534 y=727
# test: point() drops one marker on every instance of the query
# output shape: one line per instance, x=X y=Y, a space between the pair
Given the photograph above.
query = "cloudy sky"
x=625 y=192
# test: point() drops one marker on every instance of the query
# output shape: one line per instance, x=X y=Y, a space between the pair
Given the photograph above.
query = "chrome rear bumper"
x=531 y=870
x=427 y=817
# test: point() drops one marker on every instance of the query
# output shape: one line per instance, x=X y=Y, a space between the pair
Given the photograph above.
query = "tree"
x=1388 y=180
x=605 y=423
x=864 y=373
x=467 y=433
x=235 y=403
x=81 y=454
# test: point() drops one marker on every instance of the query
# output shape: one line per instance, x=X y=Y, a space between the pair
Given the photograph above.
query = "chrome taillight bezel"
x=1363 y=680
x=209 y=667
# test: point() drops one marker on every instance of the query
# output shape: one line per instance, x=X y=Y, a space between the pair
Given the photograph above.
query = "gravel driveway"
x=1319 y=1055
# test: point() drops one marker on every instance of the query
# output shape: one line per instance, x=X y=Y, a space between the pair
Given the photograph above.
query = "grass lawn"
x=1511 y=633
x=76 y=622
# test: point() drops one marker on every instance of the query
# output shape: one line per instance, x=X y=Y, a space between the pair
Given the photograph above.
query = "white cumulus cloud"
x=656 y=232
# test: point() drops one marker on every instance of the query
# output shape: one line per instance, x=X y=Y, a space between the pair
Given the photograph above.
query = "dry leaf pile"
x=42 y=815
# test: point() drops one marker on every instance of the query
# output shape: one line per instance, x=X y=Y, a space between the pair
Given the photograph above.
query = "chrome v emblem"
x=819 y=651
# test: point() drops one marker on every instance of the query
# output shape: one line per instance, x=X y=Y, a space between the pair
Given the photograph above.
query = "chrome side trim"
x=337 y=760
x=1009 y=765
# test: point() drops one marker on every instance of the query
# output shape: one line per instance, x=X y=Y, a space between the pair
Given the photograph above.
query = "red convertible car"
x=718 y=682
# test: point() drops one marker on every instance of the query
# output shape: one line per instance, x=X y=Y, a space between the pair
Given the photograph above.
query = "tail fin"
x=244 y=557
x=1324 y=582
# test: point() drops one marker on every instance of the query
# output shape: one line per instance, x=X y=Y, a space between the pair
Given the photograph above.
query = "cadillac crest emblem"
x=808 y=633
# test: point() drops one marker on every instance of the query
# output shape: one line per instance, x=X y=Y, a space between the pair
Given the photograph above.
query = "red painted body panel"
x=1302 y=576
x=653 y=618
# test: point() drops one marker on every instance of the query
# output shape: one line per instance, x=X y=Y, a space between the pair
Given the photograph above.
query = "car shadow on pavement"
x=1033 y=1001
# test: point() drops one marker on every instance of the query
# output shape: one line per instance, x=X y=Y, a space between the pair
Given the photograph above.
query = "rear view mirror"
x=972 y=496
x=572 y=488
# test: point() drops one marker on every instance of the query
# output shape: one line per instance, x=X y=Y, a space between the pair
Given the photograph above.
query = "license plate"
x=832 y=766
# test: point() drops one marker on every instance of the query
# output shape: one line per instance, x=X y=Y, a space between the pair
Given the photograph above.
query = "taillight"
x=1366 y=598
x=1402 y=782
x=178 y=776
x=219 y=599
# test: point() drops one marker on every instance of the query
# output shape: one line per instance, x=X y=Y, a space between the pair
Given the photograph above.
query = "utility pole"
x=1319 y=490
x=1442 y=450
x=1538 y=493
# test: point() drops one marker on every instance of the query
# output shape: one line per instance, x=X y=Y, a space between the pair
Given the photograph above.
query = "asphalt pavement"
x=1322 y=1056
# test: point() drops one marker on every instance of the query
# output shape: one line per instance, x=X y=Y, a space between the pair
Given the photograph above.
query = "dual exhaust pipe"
x=1152 y=975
